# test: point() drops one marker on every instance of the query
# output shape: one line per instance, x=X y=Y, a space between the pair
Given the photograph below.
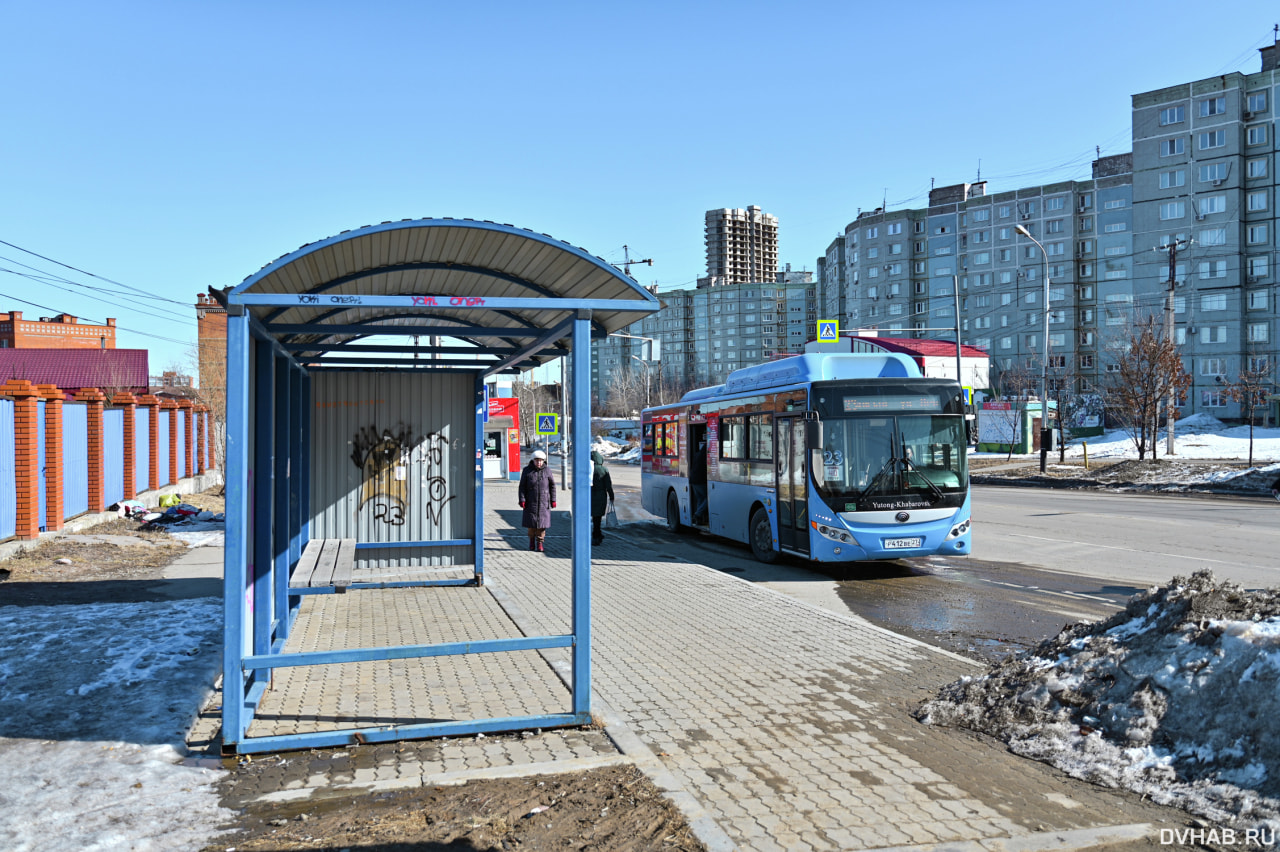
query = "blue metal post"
x=282 y=531
x=479 y=524
x=263 y=474
x=581 y=408
x=304 y=465
x=235 y=553
x=297 y=459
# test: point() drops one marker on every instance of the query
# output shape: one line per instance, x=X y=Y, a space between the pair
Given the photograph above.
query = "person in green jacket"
x=601 y=494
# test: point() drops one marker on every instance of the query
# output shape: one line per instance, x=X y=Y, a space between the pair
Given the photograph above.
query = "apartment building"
x=1202 y=170
x=1205 y=171
x=907 y=272
x=742 y=247
x=706 y=333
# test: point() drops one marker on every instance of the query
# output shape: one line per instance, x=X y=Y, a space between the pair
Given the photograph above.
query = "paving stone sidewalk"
x=773 y=724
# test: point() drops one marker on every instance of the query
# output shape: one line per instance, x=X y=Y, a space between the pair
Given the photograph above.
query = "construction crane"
x=627 y=263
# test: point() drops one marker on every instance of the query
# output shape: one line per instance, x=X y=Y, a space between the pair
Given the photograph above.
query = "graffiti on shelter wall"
x=433 y=475
x=384 y=458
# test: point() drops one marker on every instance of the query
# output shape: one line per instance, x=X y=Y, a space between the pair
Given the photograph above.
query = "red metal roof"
x=924 y=348
x=71 y=369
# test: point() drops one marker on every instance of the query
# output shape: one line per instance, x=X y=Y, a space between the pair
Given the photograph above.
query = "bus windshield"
x=868 y=462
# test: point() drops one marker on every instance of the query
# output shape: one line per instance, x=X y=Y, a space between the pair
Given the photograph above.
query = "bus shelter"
x=356 y=371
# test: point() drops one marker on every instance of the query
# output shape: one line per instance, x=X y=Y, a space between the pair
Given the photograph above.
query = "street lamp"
x=1045 y=429
x=646 y=378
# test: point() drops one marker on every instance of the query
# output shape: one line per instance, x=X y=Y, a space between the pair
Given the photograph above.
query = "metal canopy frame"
x=490 y=299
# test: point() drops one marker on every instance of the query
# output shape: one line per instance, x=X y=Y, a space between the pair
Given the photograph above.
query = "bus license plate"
x=901 y=543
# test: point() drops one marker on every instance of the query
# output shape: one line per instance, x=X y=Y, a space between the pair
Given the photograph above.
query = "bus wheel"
x=762 y=537
x=673 y=513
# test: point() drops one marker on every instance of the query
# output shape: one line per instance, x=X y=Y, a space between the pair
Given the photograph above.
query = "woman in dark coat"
x=537 y=498
x=601 y=494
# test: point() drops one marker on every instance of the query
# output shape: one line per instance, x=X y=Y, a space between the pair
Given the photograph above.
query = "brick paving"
x=772 y=723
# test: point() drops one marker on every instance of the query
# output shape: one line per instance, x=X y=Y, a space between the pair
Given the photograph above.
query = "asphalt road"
x=1128 y=538
x=1044 y=559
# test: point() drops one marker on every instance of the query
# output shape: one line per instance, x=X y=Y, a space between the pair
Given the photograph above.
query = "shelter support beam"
x=282 y=487
x=236 y=556
x=581 y=383
x=481 y=401
x=263 y=475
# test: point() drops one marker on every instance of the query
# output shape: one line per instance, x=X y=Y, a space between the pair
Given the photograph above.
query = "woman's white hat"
x=539 y=454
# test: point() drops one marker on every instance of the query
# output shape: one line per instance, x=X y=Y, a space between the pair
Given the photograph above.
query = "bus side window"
x=648 y=447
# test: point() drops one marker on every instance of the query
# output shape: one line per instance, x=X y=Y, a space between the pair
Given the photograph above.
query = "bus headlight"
x=960 y=529
x=834 y=534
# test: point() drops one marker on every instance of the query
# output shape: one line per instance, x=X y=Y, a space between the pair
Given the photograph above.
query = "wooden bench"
x=326 y=563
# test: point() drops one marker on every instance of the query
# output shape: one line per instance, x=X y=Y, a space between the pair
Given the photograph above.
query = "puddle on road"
x=979 y=610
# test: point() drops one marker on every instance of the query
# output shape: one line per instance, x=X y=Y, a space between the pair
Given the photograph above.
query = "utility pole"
x=1172 y=248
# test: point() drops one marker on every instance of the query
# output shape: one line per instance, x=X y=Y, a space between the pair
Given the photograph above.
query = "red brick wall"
x=26 y=456
x=54 y=492
x=93 y=400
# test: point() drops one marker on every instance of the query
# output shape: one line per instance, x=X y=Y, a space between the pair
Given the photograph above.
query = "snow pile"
x=1199 y=422
x=95 y=702
x=606 y=447
x=1173 y=698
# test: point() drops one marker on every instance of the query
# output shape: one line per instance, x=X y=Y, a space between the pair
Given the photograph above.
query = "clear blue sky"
x=169 y=147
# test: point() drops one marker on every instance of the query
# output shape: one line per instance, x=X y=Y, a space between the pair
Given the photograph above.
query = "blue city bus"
x=829 y=457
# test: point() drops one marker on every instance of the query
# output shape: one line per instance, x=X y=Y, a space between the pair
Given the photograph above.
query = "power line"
x=146 y=293
x=118 y=327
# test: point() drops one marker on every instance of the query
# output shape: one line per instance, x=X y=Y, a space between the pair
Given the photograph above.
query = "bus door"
x=793 y=503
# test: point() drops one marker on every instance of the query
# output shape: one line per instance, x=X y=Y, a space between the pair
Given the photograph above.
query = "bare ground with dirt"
x=613 y=808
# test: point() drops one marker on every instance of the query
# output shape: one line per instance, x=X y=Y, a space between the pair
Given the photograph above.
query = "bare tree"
x=626 y=392
x=209 y=358
x=1251 y=389
x=1150 y=371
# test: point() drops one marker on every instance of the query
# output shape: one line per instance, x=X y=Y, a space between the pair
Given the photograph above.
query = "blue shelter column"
x=297 y=462
x=304 y=462
x=478 y=532
x=263 y=475
x=235 y=554
x=281 y=487
x=581 y=407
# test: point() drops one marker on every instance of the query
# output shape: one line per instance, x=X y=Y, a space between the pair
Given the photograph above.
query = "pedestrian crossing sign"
x=828 y=331
x=548 y=424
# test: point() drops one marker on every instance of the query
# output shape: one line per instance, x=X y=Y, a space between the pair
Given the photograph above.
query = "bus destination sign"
x=891 y=402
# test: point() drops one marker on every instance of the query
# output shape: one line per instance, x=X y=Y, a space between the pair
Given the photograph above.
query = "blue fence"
x=42 y=473
x=163 y=455
x=184 y=456
x=73 y=469
x=142 y=450
x=112 y=455
x=8 y=477
x=75 y=460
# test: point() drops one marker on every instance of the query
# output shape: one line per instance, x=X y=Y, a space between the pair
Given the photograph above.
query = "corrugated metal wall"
x=392 y=459
x=112 y=456
x=75 y=460
x=8 y=477
x=162 y=438
x=142 y=449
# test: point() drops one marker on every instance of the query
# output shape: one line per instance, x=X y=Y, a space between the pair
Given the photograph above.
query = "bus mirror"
x=813 y=430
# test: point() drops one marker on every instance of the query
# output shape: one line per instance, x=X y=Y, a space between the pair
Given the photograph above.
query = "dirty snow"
x=95 y=702
x=1172 y=698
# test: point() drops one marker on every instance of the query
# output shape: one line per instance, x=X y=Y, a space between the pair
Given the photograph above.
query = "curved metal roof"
x=508 y=292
